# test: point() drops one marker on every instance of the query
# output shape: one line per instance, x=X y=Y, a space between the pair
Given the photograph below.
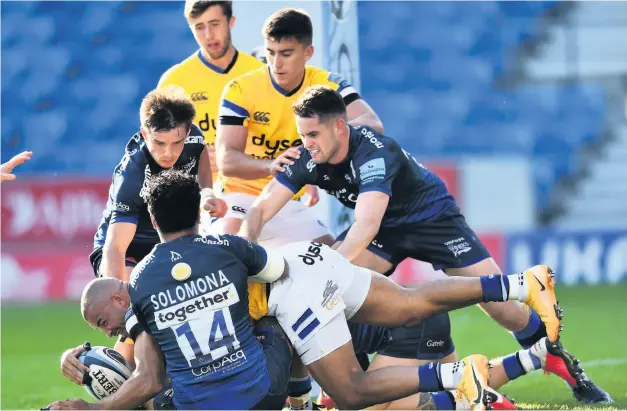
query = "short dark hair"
x=173 y=199
x=289 y=23
x=195 y=8
x=320 y=101
x=166 y=109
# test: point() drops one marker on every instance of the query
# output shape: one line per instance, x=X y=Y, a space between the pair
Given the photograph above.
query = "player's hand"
x=7 y=167
x=75 y=404
x=217 y=207
x=314 y=196
x=211 y=149
x=71 y=367
x=284 y=159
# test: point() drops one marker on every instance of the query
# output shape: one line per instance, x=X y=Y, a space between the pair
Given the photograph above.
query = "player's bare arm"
x=369 y=212
x=215 y=206
x=143 y=385
x=271 y=200
x=359 y=113
x=119 y=237
x=232 y=161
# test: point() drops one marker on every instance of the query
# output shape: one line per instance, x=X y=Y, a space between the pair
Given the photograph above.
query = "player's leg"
x=414 y=346
x=331 y=359
x=278 y=352
x=391 y=305
x=453 y=246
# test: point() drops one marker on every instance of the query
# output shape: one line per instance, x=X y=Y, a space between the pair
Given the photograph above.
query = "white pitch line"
x=604 y=363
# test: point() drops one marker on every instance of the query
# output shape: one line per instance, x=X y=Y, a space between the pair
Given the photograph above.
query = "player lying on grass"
x=167 y=139
x=194 y=308
x=402 y=210
x=7 y=168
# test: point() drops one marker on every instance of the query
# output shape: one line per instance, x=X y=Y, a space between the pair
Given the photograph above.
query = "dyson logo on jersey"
x=226 y=363
x=370 y=136
x=273 y=147
x=312 y=254
x=193 y=309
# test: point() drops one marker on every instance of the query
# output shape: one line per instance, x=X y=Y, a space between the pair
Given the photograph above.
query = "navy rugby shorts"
x=445 y=242
x=430 y=340
x=134 y=254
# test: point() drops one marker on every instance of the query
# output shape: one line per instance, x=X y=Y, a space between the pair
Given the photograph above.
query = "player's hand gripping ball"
x=108 y=370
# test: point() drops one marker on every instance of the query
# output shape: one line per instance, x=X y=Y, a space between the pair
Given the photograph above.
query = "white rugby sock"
x=518 y=288
x=450 y=373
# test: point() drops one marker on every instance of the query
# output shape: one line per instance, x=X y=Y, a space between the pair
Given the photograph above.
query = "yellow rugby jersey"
x=258 y=300
x=204 y=83
x=254 y=100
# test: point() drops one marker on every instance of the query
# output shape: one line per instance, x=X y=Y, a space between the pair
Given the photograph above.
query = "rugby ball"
x=107 y=371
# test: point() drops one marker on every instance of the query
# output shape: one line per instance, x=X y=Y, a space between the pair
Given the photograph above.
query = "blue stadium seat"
x=458 y=50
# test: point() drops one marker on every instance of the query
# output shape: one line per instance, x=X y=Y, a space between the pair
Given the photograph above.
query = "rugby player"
x=186 y=295
x=204 y=74
x=6 y=168
x=257 y=132
x=167 y=138
x=401 y=210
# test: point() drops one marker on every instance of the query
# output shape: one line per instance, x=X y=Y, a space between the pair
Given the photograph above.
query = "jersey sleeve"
x=133 y=326
x=167 y=77
x=339 y=84
x=126 y=200
x=296 y=176
x=233 y=108
x=264 y=265
x=377 y=168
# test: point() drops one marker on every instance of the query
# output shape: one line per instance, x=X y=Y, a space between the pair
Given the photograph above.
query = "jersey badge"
x=181 y=271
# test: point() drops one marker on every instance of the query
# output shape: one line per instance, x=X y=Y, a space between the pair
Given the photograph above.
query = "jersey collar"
x=216 y=68
x=282 y=90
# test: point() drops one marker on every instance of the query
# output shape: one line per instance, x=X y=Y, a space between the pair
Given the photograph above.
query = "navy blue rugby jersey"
x=131 y=175
x=375 y=163
x=191 y=295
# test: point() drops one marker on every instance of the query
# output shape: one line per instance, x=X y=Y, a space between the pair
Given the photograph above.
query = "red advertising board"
x=449 y=173
x=66 y=210
x=52 y=274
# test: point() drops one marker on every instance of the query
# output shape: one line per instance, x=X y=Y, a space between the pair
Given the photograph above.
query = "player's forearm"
x=136 y=391
x=205 y=177
x=234 y=163
x=252 y=225
x=112 y=264
x=361 y=233
x=367 y=120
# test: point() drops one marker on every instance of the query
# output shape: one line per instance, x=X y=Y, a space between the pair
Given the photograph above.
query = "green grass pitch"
x=595 y=329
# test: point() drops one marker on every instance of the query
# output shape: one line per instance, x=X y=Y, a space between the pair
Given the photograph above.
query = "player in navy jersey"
x=402 y=210
x=167 y=139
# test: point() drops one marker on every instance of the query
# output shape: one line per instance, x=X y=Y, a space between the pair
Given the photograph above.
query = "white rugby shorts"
x=294 y=222
x=312 y=304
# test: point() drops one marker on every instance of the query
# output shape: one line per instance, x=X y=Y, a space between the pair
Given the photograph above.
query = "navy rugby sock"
x=428 y=378
x=533 y=332
x=443 y=400
x=495 y=288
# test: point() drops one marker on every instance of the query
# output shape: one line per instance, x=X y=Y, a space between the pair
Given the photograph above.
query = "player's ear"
x=309 y=51
x=154 y=223
x=143 y=131
x=231 y=22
